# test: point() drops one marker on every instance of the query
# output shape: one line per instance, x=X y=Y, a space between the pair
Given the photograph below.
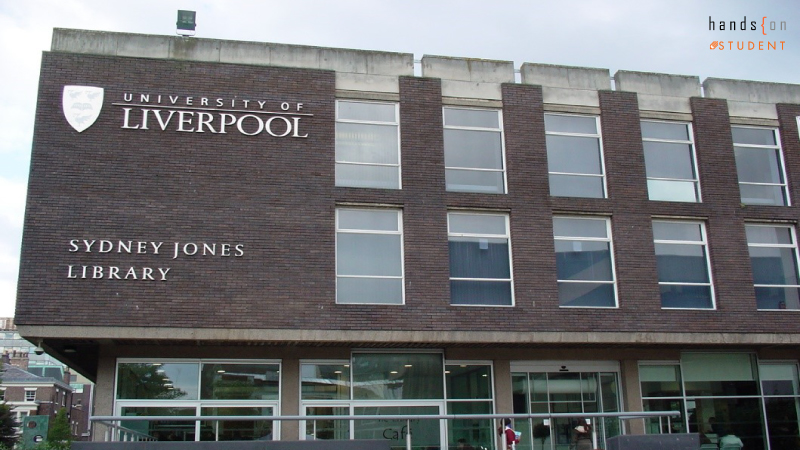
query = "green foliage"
x=59 y=436
x=8 y=426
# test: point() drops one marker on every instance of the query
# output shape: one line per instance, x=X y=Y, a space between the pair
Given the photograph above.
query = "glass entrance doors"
x=564 y=392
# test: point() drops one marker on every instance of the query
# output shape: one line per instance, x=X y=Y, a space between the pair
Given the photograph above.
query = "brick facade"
x=276 y=197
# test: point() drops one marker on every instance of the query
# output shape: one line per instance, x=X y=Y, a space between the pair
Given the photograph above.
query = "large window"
x=181 y=388
x=575 y=156
x=670 y=161
x=369 y=256
x=584 y=261
x=773 y=257
x=367 y=145
x=473 y=150
x=759 y=163
x=392 y=383
x=684 y=274
x=480 y=259
x=718 y=394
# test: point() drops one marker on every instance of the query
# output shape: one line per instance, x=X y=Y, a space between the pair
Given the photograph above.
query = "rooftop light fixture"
x=186 y=22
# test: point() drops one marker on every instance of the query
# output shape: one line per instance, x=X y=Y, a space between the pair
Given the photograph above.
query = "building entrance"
x=578 y=389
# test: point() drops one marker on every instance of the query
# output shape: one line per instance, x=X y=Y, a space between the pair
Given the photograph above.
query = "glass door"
x=564 y=392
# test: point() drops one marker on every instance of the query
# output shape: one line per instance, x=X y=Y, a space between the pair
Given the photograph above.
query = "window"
x=30 y=395
x=480 y=259
x=575 y=156
x=584 y=262
x=773 y=257
x=473 y=150
x=683 y=266
x=369 y=256
x=199 y=388
x=2 y=394
x=367 y=145
x=759 y=163
x=670 y=161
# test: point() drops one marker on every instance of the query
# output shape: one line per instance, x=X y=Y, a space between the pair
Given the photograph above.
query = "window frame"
x=598 y=136
x=507 y=236
x=396 y=124
x=781 y=160
x=793 y=246
x=500 y=129
x=400 y=232
x=707 y=253
x=30 y=394
x=610 y=239
x=690 y=142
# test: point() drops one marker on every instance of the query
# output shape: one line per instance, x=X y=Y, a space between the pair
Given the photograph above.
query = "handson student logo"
x=759 y=33
x=163 y=112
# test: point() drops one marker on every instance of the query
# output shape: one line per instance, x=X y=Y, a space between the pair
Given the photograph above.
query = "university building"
x=258 y=229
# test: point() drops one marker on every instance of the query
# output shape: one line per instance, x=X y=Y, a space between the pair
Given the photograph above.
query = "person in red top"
x=511 y=436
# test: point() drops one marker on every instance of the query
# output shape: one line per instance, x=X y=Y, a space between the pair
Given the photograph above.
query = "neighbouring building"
x=264 y=229
x=34 y=383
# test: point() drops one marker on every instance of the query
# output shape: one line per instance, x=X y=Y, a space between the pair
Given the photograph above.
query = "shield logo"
x=82 y=105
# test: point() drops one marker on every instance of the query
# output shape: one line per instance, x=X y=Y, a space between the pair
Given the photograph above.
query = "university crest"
x=82 y=105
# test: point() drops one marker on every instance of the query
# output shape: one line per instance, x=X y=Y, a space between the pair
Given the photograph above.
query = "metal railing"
x=117 y=432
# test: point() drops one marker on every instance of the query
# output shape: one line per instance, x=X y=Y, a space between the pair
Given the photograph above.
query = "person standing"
x=582 y=436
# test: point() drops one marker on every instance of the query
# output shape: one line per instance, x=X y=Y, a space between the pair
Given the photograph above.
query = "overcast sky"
x=669 y=36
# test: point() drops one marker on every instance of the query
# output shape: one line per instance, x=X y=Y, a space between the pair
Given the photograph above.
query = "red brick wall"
x=277 y=197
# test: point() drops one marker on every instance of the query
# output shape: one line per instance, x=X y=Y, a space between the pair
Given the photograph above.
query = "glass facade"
x=725 y=394
x=198 y=388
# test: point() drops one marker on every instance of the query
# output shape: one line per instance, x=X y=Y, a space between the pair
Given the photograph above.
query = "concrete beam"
x=366 y=337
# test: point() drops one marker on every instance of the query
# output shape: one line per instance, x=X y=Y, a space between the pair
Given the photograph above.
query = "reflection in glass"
x=168 y=381
x=576 y=186
x=325 y=381
x=161 y=430
x=425 y=434
x=323 y=429
x=395 y=376
x=236 y=430
x=239 y=382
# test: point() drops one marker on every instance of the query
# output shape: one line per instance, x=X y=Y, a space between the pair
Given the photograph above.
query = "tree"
x=59 y=435
x=8 y=426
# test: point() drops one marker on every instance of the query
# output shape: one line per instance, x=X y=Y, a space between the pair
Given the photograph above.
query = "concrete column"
x=290 y=398
x=104 y=394
x=632 y=393
x=502 y=386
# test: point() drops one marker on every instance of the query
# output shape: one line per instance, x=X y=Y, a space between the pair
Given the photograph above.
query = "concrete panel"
x=294 y=56
x=548 y=75
x=751 y=91
x=143 y=46
x=658 y=84
x=369 y=83
x=663 y=103
x=195 y=49
x=578 y=97
x=80 y=41
x=468 y=89
x=341 y=60
x=238 y=52
x=467 y=69
x=750 y=109
x=385 y=63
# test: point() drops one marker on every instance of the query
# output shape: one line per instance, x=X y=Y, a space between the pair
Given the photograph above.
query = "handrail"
x=627 y=415
x=407 y=417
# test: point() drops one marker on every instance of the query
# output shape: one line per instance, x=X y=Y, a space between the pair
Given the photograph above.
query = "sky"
x=667 y=36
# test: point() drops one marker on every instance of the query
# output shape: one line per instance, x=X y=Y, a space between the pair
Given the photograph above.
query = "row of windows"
x=368 y=154
x=370 y=268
